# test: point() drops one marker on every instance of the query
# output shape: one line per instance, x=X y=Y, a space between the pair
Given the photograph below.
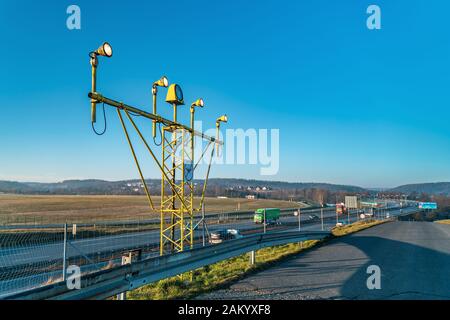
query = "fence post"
x=128 y=259
x=203 y=225
x=321 y=216
x=252 y=257
x=65 y=252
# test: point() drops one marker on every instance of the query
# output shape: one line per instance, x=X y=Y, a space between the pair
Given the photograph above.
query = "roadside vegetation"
x=221 y=274
x=447 y=221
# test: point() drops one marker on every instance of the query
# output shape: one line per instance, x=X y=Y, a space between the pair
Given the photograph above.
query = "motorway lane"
x=53 y=251
x=414 y=258
x=10 y=257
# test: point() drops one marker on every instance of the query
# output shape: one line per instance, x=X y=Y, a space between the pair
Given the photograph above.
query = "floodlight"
x=163 y=82
x=104 y=50
x=223 y=118
x=198 y=103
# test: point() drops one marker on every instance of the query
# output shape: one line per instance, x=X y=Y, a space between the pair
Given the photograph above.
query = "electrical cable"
x=160 y=134
x=104 y=129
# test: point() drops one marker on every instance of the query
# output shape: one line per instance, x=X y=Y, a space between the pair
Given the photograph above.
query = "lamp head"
x=163 y=82
x=198 y=103
x=223 y=118
x=104 y=50
x=175 y=95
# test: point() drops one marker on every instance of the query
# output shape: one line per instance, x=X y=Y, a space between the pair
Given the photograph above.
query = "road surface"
x=414 y=259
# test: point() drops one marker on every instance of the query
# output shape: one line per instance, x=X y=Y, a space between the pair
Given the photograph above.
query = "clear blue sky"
x=353 y=106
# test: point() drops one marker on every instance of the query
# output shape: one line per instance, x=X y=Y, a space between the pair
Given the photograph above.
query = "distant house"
x=250 y=197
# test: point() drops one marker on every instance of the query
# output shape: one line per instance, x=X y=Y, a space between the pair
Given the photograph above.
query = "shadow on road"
x=414 y=259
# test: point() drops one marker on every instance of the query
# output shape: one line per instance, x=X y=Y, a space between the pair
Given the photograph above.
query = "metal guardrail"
x=107 y=283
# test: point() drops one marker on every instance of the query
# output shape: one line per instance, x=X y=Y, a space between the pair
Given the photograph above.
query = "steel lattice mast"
x=177 y=165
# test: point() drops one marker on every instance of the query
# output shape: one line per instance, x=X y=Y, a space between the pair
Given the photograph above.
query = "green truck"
x=272 y=215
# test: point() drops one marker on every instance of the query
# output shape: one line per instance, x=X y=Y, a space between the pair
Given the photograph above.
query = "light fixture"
x=198 y=103
x=163 y=82
x=175 y=95
x=223 y=118
x=104 y=50
x=220 y=119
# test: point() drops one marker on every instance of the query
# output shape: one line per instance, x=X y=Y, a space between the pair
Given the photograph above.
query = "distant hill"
x=285 y=185
x=216 y=186
x=93 y=186
x=437 y=188
x=83 y=187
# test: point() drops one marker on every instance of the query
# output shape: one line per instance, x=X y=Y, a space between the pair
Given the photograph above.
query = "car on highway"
x=313 y=217
x=218 y=236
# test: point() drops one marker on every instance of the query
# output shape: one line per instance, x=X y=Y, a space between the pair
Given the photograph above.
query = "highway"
x=414 y=259
x=40 y=255
x=53 y=251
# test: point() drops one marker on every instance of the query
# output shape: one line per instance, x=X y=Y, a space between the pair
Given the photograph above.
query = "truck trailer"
x=272 y=215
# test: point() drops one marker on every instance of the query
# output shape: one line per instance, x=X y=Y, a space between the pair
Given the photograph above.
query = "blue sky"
x=353 y=105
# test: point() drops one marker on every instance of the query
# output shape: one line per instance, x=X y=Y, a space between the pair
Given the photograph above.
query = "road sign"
x=428 y=205
x=351 y=202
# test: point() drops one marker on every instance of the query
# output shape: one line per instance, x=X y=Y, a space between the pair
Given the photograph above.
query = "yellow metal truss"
x=177 y=190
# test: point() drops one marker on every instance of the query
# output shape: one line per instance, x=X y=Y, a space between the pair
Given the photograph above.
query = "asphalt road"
x=414 y=259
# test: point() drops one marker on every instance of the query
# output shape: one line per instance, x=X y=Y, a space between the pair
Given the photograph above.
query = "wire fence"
x=32 y=256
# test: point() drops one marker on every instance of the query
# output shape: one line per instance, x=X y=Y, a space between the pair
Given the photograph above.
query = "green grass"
x=354 y=227
x=221 y=274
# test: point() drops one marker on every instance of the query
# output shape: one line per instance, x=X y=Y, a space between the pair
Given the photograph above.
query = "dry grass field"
x=58 y=209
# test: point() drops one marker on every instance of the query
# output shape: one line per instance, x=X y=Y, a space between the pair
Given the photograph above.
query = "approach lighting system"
x=104 y=50
x=177 y=163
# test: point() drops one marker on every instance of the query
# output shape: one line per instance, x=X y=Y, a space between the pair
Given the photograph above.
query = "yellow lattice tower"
x=177 y=216
x=177 y=165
